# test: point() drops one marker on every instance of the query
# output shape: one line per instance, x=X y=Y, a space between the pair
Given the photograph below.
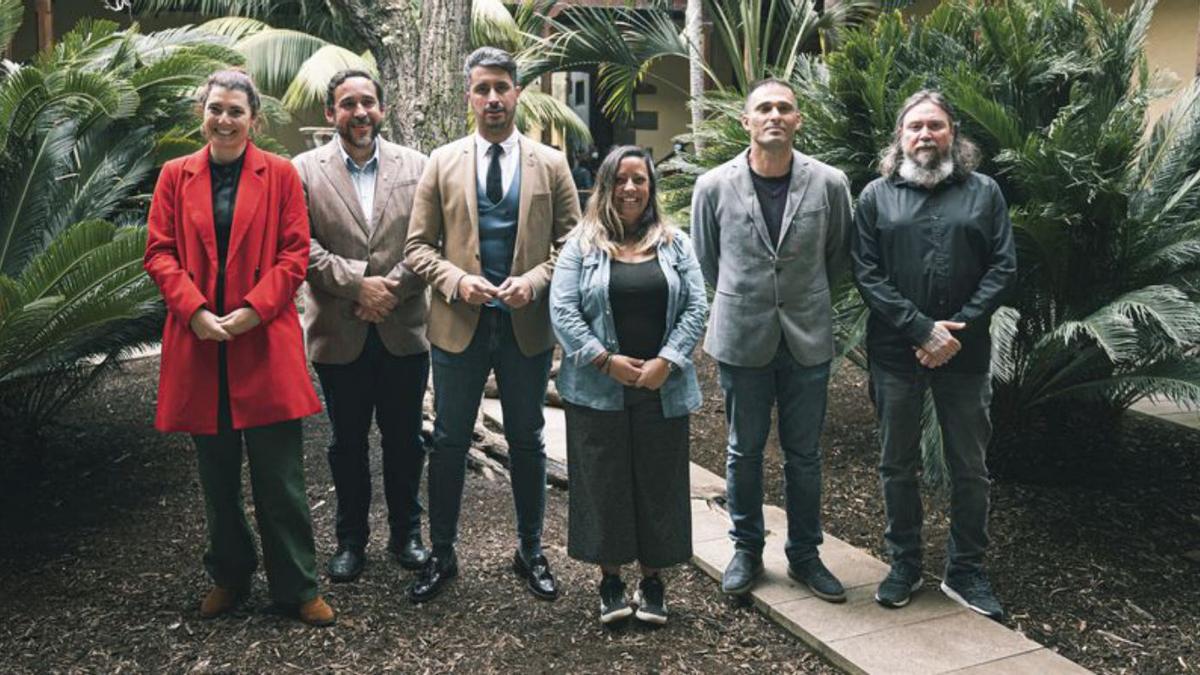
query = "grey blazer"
x=764 y=291
x=345 y=249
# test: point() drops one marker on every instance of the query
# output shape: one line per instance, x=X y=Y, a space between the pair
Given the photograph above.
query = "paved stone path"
x=1168 y=411
x=931 y=635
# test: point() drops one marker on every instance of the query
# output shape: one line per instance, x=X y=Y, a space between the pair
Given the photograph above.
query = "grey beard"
x=926 y=177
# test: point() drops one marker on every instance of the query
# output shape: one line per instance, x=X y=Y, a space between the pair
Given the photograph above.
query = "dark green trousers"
x=276 y=458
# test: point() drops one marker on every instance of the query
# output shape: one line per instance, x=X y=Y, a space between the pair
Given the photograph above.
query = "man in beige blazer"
x=364 y=318
x=490 y=213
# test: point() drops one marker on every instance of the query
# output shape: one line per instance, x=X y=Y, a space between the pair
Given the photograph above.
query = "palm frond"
x=1168 y=153
x=493 y=25
x=307 y=88
x=11 y=13
x=236 y=28
x=536 y=108
x=25 y=196
x=276 y=57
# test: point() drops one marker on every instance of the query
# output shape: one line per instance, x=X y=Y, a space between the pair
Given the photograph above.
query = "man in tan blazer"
x=364 y=318
x=490 y=213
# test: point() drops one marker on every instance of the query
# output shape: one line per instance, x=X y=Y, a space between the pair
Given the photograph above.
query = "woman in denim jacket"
x=628 y=306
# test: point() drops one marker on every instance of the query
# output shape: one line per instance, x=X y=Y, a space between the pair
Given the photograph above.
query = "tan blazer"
x=345 y=249
x=443 y=242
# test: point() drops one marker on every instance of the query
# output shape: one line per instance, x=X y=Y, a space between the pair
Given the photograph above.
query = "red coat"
x=266 y=262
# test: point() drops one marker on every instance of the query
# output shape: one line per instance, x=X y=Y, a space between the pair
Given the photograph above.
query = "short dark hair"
x=341 y=76
x=230 y=79
x=768 y=81
x=490 y=57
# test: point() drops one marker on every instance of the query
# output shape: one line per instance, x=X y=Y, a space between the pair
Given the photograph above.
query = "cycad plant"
x=82 y=128
x=1106 y=215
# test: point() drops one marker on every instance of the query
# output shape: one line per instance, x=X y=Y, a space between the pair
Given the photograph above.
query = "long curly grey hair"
x=963 y=152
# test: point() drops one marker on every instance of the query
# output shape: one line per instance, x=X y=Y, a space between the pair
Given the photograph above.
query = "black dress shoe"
x=741 y=572
x=537 y=576
x=409 y=552
x=433 y=577
x=346 y=565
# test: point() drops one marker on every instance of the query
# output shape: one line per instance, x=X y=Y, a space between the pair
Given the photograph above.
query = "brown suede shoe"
x=316 y=612
x=220 y=600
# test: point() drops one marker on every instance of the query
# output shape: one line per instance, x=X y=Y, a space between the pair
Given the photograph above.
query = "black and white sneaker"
x=652 y=605
x=613 y=606
x=973 y=591
x=897 y=588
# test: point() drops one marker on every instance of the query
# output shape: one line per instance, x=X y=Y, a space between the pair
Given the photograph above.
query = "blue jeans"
x=800 y=392
x=458 y=381
x=962 y=402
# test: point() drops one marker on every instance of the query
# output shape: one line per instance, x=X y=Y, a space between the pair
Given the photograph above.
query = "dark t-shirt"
x=772 y=198
x=638 y=295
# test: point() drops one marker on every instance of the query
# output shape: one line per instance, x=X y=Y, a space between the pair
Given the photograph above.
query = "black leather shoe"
x=537 y=575
x=409 y=552
x=819 y=579
x=346 y=565
x=433 y=577
x=741 y=572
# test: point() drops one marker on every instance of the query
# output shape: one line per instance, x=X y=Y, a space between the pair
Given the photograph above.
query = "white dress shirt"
x=509 y=157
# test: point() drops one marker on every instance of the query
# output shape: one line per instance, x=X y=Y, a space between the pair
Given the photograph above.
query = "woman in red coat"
x=228 y=247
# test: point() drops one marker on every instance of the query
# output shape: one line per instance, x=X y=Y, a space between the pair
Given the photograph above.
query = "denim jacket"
x=581 y=315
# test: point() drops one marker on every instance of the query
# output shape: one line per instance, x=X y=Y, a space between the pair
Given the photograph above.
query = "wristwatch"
x=671 y=367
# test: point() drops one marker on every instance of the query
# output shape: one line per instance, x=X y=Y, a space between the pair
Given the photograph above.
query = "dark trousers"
x=800 y=393
x=629 y=484
x=458 y=381
x=961 y=401
x=390 y=389
x=276 y=456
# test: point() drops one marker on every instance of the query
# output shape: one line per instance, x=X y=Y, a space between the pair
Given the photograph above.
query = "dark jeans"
x=961 y=401
x=458 y=381
x=275 y=453
x=390 y=389
x=800 y=392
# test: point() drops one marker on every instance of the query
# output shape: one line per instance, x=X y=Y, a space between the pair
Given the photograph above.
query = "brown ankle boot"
x=317 y=612
x=218 y=601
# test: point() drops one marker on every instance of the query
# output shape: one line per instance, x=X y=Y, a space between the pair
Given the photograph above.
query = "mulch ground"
x=1102 y=564
x=100 y=572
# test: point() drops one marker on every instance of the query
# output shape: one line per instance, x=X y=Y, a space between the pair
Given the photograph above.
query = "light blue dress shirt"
x=363 y=178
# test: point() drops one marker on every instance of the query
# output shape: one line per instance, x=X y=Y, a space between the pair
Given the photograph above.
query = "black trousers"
x=390 y=389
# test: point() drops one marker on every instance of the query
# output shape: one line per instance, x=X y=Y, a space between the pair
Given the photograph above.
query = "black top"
x=638 y=295
x=224 y=196
x=924 y=255
x=772 y=198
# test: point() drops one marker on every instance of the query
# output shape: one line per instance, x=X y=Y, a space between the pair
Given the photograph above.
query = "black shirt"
x=924 y=255
x=224 y=197
x=772 y=194
x=638 y=295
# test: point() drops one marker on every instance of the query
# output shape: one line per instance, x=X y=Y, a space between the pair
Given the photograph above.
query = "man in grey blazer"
x=364 y=318
x=772 y=230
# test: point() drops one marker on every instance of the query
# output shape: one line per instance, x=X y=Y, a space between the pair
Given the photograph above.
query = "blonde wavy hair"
x=601 y=228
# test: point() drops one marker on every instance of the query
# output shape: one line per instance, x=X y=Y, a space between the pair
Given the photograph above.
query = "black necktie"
x=495 y=187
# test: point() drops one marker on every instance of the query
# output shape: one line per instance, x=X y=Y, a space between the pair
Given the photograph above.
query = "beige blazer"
x=443 y=241
x=345 y=248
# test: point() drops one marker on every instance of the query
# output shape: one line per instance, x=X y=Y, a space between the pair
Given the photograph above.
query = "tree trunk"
x=419 y=48
x=693 y=29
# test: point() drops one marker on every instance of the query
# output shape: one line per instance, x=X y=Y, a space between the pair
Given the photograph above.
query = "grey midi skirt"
x=629 y=492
